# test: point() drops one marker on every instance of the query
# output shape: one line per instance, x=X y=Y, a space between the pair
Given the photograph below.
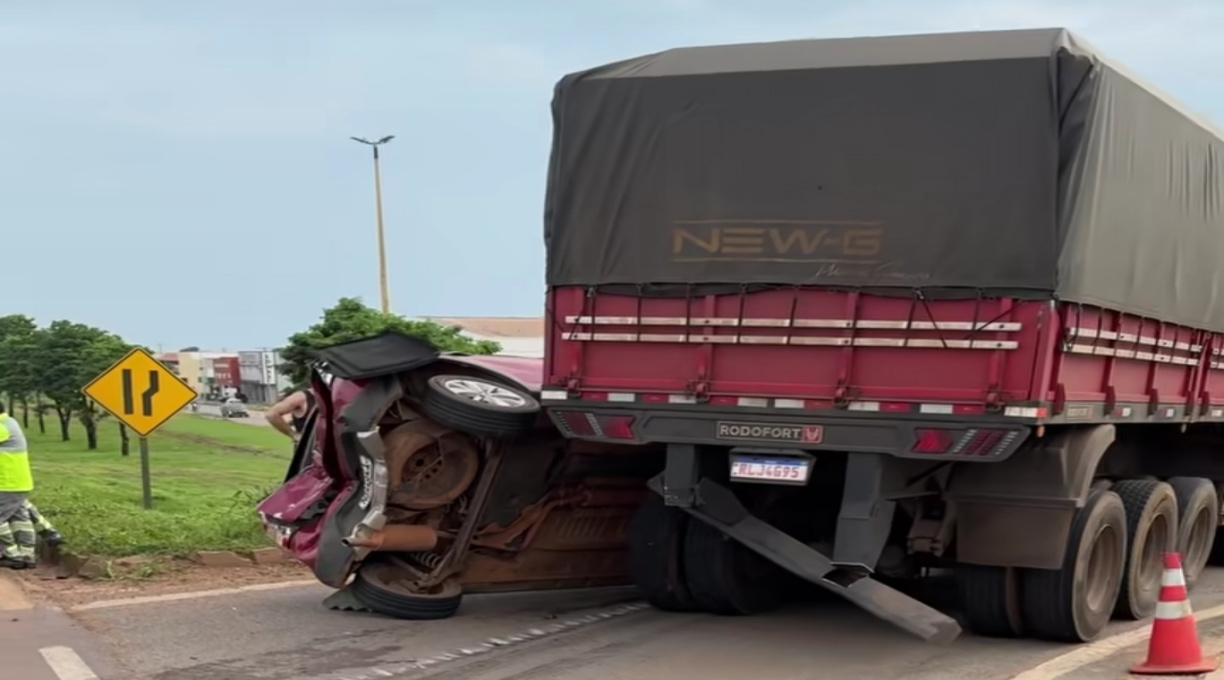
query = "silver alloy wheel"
x=483 y=392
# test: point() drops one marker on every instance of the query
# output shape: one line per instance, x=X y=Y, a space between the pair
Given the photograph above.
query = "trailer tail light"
x=974 y=443
x=586 y=424
x=984 y=442
x=933 y=441
x=576 y=423
x=617 y=427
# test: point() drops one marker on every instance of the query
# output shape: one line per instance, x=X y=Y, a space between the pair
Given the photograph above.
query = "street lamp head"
x=363 y=140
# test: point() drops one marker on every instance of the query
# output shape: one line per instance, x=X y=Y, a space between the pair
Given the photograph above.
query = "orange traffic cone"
x=1174 y=646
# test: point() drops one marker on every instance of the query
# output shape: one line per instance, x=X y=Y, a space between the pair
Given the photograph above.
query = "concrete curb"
x=97 y=567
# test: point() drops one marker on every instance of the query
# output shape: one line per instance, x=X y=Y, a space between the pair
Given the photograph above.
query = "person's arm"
x=285 y=407
x=5 y=435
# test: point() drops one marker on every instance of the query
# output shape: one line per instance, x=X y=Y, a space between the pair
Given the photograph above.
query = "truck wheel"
x=479 y=406
x=1073 y=604
x=724 y=577
x=656 y=552
x=378 y=588
x=990 y=597
x=1198 y=515
x=1151 y=531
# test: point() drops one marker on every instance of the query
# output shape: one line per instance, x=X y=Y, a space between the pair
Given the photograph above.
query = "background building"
x=259 y=378
x=208 y=373
x=518 y=336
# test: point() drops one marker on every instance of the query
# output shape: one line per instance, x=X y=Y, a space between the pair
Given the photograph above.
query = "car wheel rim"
x=485 y=393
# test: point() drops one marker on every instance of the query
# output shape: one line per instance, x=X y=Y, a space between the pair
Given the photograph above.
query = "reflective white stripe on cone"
x=1174 y=647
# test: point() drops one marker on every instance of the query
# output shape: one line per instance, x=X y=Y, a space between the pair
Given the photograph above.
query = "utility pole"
x=383 y=288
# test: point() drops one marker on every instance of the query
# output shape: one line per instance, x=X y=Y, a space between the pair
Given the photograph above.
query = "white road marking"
x=174 y=597
x=67 y=664
x=432 y=660
x=1101 y=649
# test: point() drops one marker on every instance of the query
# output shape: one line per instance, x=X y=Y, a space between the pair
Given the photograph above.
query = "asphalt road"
x=286 y=634
x=214 y=411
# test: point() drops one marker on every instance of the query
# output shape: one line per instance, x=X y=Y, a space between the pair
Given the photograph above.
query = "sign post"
x=142 y=394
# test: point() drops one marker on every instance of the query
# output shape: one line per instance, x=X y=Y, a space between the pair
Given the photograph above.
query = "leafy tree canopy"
x=350 y=319
x=17 y=378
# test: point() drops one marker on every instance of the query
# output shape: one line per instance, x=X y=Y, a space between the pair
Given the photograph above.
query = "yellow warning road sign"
x=141 y=392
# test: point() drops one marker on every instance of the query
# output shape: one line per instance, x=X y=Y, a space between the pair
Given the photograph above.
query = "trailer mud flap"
x=718 y=507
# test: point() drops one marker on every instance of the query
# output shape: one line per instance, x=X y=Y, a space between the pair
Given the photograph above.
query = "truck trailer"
x=893 y=305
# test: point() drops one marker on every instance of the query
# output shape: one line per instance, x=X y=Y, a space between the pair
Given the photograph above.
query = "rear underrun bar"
x=717 y=506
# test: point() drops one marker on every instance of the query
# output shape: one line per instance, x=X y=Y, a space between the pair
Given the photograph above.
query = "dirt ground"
x=167 y=577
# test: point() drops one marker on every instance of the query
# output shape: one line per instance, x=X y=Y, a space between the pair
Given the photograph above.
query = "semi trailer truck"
x=893 y=305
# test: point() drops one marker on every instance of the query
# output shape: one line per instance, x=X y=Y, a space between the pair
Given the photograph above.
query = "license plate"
x=770 y=470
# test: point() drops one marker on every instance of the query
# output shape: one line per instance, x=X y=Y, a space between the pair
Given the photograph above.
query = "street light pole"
x=384 y=289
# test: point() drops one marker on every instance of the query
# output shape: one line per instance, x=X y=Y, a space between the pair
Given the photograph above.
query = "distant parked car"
x=234 y=408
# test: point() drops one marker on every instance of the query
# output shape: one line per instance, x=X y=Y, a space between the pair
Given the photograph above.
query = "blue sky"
x=180 y=172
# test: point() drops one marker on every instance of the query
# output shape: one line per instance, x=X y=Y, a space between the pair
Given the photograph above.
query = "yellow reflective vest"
x=15 y=474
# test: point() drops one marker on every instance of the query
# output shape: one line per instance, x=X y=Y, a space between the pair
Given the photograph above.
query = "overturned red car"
x=421 y=476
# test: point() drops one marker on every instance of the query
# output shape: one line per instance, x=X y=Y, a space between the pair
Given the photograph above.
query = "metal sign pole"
x=146 y=482
x=140 y=392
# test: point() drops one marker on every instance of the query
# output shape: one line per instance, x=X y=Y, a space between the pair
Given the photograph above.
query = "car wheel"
x=384 y=589
x=479 y=406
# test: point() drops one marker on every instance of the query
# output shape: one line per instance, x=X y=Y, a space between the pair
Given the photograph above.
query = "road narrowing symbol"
x=141 y=392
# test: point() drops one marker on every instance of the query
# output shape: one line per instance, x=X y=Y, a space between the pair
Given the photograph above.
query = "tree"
x=65 y=357
x=17 y=378
x=350 y=319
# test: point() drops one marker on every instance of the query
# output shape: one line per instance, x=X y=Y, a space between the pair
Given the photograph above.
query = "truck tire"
x=656 y=555
x=479 y=406
x=990 y=598
x=724 y=577
x=1151 y=531
x=1198 y=515
x=1074 y=603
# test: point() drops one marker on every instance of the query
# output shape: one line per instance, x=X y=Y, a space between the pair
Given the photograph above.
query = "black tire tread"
x=983 y=592
x=1191 y=493
x=1136 y=494
x=397 y=605
x=656 y=555
x=447 y=411
x=715 y=568
x=1046 y=595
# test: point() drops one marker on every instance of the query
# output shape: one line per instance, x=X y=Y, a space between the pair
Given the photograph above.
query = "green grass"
x=207 y=478
x=258 y=439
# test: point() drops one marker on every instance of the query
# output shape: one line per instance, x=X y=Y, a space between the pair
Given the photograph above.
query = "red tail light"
x=933 y=441
x=617 y=427
x=584 y=424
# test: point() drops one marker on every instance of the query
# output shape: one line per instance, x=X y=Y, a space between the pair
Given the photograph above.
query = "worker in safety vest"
x=18 y=539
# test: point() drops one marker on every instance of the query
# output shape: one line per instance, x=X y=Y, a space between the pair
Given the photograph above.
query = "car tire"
x=479 y=406
x=377 y=588
x=656 y=555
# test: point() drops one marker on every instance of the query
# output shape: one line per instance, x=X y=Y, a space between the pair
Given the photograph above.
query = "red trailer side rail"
x=800 y=349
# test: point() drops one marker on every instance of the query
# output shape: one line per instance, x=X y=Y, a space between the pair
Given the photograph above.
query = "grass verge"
x=207 y=478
